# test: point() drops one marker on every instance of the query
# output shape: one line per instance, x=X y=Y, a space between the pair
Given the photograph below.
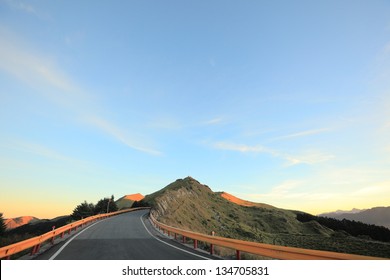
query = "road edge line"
x=70 y=240
x=166 y=243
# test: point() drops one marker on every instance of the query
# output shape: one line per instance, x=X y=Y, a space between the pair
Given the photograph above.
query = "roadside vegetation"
x=30 y=230
x=354 y=228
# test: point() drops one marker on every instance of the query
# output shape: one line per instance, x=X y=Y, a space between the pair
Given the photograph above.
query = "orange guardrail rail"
x=267 y=250
x=35 y=242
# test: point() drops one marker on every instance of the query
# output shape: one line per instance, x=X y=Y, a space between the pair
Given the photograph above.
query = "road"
x=128 y=236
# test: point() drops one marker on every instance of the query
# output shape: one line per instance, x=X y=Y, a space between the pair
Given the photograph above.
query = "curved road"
x=128 y=236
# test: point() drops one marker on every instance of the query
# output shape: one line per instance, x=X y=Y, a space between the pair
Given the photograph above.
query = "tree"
x=83 y=210
x=3 y=227
x=106 y=204
x=140 y=203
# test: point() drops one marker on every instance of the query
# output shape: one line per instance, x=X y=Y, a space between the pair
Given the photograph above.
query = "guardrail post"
x=35 y=249
x=212 y=245
x=175 y=235
x=52 y=239
x=184 y=239
x=238 y=255
x=195 y=244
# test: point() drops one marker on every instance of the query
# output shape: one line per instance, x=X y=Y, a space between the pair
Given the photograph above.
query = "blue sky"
x=280 y=102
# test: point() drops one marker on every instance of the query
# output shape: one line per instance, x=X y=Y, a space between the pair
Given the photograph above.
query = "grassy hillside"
x=187 y=204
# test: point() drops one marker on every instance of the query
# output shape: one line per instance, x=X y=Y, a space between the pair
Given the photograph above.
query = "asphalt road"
x=128 y=236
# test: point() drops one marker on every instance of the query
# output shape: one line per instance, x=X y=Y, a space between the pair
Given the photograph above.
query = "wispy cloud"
x=35 y=69
x=43 y=151
x=25 y=7
x=310 y=157
x=379 y=188
x=42 y=73
x=166 y=123
x=20 y=5
x=290 y=190
x=213 y=121
x=302 y=134
x=242 y=148
x=307 y=158
x=119 y=134
x=284 y=188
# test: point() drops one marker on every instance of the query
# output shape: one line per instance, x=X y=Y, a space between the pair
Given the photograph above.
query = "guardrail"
x=267 y=250
x=36 y=242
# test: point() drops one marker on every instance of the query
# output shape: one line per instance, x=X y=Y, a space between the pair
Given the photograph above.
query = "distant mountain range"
x=19 y=221
x=36 y=226
x=379 y=216
x=340 y=212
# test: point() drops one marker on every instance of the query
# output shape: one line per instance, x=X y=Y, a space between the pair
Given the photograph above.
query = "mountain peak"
x=189 y=178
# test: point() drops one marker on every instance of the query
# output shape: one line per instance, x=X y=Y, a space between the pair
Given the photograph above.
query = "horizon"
x=281 y=103
x=213 y=191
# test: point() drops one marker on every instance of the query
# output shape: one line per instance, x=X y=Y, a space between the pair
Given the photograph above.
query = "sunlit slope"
x=128 y=200
x=242 y=202
x=19 y=221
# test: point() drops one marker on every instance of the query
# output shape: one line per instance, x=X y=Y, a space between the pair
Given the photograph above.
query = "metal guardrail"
x=36 y=242
x=267 y=250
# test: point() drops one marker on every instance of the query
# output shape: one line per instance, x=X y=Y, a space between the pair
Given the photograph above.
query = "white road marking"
x=70 y=240
x=171 y=244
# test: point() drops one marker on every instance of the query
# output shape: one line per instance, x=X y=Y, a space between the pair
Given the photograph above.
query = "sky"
x=280 y=102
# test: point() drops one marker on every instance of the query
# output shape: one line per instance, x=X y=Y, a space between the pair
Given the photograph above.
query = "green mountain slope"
x=190 y=205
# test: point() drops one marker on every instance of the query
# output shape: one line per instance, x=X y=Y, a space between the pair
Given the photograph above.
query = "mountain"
x=340 y=212
x=19 y=221
x=379 y=216
x=190 y=205
x=39 y=226
x=127 y=201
